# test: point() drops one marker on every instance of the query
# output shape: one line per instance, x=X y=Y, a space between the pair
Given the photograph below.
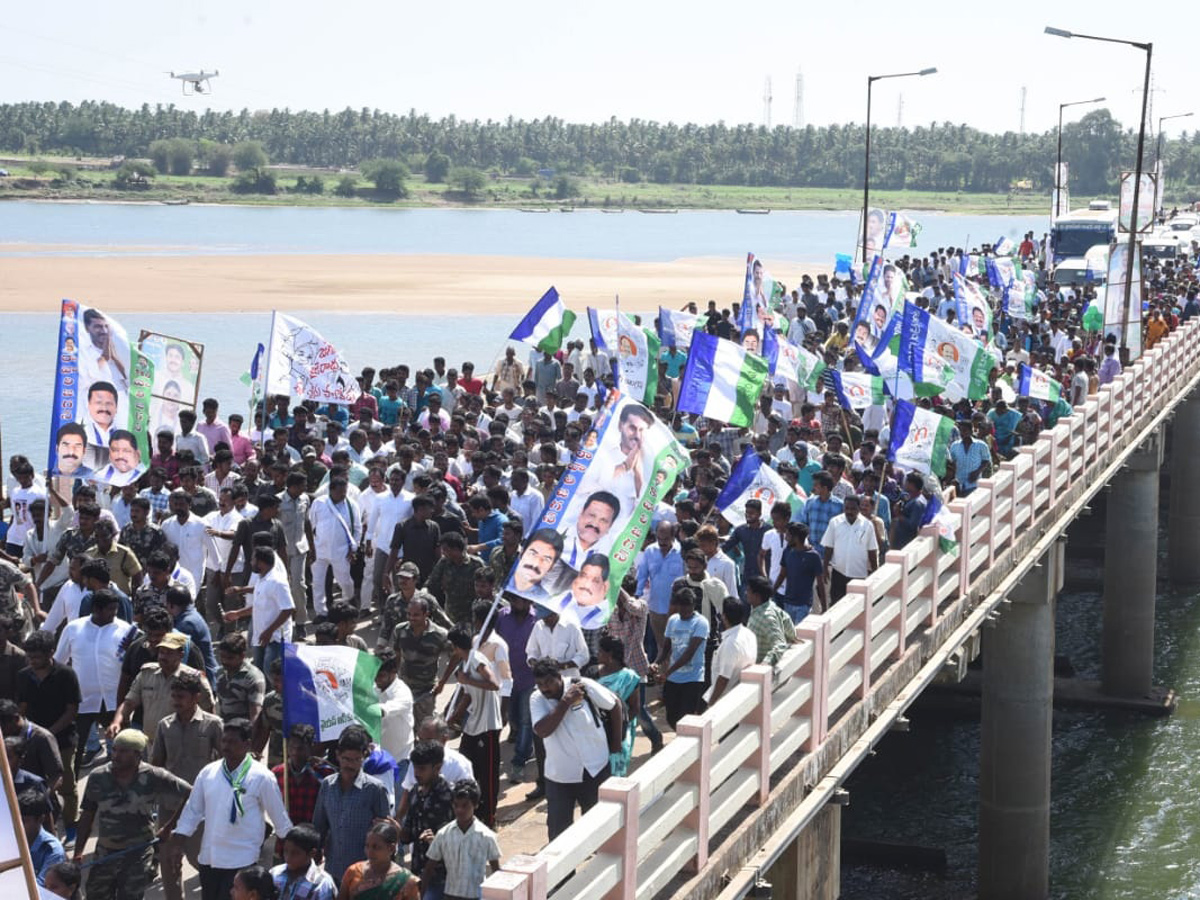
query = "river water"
x=1124 y=820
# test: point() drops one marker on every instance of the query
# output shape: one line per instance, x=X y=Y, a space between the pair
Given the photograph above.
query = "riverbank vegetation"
x=102 y=151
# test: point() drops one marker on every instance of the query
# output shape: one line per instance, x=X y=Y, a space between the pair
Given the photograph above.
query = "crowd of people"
x=142 y=627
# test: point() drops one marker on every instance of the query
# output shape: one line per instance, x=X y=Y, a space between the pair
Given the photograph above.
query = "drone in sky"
x=195 y=82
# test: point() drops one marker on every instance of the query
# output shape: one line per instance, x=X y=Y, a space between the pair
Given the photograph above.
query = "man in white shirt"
x=388 y=510
x=851 y=548
x=270 y=608
x=337 y=527
x=188 y=533
x=396 y=706
x=230 y=797
x=20 y=499
x=559 y=644
x=738 y=649
x=220 y=525
x=187 y=439
x=525 y=501
x=94 y=648
x=578 y=740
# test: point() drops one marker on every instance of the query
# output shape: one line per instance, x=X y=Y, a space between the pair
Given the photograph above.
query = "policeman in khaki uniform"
x=120 y=800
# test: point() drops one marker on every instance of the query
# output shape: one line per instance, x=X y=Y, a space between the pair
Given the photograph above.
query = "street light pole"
x=871 y=79
x=1058 y=186
x=1161 y=119
x=1137 y=177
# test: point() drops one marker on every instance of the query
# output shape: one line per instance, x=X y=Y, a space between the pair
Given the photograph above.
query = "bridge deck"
x=739 y=782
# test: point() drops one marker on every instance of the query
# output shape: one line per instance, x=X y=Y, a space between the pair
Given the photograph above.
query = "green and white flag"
x=547 y=325
x=753 y=479
x=920 y=439
x=722 y=380
x=934 y=352
x=329 y=688
x=637 y=360
x=1037 y=384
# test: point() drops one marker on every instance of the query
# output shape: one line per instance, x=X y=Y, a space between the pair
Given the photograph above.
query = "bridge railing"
x=665 y=817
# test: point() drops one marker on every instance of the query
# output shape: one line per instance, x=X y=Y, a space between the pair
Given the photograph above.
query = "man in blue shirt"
x=968 y=456
x=657 y=568
x=748 y=538
x=488 y=522
x=820 y=509
x=44 y=848
x=680 y=664
x=802 y=569
x=189 y=621
x=911 y=511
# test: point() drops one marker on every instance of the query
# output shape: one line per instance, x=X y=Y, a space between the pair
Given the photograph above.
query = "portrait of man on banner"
x=101 y=393
x=598 y=516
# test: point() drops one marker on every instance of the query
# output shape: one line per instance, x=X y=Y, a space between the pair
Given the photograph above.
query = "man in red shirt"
x=467 y=381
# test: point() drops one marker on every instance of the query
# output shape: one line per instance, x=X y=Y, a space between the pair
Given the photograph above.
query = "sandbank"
x=418 y=284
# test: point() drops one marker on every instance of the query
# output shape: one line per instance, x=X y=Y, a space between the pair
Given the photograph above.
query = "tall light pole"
x=1058 y=165
x=1161 y=119
x=1137 y=176
x=871 y=79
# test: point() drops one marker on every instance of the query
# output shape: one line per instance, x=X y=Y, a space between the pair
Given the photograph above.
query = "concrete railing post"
x=760 y=717
x=535 y=875
x=815 y=628
x=624 y=844
x=699 y=774
x=900 y=558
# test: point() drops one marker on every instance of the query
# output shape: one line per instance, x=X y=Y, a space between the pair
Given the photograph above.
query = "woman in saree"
x=624 y=682
x=378 y=877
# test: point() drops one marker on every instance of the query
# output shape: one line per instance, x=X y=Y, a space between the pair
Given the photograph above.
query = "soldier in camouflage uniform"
x=420 y=645
x=120 y=800
x=452 y=580
x=395 y=607
x=141 y=535
x=240 y=686
x=12 y=582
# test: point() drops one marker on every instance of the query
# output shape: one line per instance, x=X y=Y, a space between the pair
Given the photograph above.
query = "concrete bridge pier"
x=1014 y=765
x=810 y=869
x=1131 y=573
x=1183 y=536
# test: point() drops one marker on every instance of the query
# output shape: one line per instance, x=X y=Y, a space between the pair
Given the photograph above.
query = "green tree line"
x=933 y=157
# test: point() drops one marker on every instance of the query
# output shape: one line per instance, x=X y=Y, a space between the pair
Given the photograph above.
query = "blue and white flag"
x=1037 y=384
x=330 y=687
x=722 y=381
x=920 y=439
x=752 y=479
x=857 y=390
x=675 y=328
x=603 y=323
x=547 y=325
x=937 y=513
x=1004 y=246
x=936 y=353
x=637 y=360
x=843 y=265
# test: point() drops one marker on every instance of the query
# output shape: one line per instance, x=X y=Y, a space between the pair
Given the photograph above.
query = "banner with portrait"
x=761 y=294
x=1114 y=300
x=101 y=413
x=877 y=222
x=597 y=519
x=177 y=364
x=1145 y=204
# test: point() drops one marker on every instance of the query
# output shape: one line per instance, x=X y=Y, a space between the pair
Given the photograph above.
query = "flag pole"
x=262 y=431
x=287 y=763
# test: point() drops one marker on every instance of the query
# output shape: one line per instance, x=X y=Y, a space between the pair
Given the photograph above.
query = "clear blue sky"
x=696 y=62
